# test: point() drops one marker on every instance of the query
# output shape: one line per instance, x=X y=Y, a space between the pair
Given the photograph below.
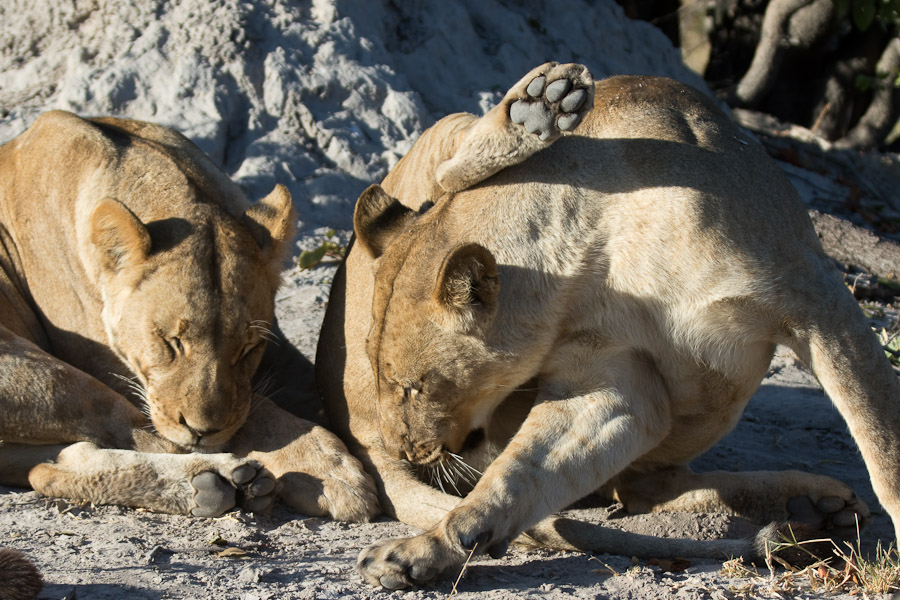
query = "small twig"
x=462 y=571
x=606 y=566
x=821 y=116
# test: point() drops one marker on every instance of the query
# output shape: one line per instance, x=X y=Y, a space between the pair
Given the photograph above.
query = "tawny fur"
x=138 y=292
x=631 y=280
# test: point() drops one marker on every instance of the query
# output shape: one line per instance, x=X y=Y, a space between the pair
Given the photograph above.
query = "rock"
x=323 y=97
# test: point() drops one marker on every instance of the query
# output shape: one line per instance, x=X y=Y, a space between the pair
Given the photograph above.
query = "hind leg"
x=761 y=496
x=548 y=102
x=832 y=336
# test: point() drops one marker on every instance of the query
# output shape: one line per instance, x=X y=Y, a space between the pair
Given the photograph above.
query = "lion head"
x=188 y=288
x=438 y=376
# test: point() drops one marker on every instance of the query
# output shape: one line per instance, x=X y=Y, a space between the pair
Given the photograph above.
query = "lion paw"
x=343 y=491
x=401 y=563
x=247 y=485
x=349 y=493
x=834 y=514
x=554 y=101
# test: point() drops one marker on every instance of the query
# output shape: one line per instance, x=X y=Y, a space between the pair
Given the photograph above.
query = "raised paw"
x=552 y=99
x=401 y=563
x=247 y=485
x=840 y=516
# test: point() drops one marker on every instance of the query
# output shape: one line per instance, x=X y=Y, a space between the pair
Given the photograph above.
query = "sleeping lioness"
x=137 y=290
x=587 y=312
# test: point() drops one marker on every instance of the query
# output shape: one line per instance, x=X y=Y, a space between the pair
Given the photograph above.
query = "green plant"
x=329 y=247
x=891 y=344
x=865 y=12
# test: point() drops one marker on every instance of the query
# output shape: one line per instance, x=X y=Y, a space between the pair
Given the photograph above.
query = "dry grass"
x=462 y=571
x=849 y=570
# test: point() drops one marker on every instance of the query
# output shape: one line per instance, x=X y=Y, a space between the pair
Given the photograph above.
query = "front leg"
x=203 y=485
x=316 y=474
x=594 y=416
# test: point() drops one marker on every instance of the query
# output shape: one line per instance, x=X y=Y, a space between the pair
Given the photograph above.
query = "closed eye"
x=247 y=349
x=173 y=345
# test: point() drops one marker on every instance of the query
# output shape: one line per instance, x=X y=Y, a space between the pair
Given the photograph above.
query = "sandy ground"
x=94 y=553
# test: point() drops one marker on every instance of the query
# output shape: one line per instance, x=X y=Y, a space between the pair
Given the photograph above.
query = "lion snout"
x=422 y=453
x=212 y=427
x=199 y=424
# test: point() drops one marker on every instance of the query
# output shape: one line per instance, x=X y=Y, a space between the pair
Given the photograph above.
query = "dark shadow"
x=289 y=378
x=94 y=358
x=331 y=353
x=165 y=234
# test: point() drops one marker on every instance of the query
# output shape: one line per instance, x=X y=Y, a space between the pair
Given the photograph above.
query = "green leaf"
x=863 y=83
x=864 y=13
x=889 y=283
x=310 y=258
x=889 y=13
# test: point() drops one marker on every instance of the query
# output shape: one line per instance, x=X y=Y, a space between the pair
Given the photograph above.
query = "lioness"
x=629 y=282
x=138 y=290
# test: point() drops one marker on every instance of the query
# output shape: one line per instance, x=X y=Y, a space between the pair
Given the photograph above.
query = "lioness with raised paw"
x=137 y=292
x=628 y=259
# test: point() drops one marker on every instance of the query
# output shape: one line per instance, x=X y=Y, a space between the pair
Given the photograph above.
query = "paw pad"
x=831 y=513
x=218 y=491
x=548 y=109
x=212 y=495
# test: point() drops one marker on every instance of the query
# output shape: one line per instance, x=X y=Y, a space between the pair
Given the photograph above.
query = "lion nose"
x=420 y=453
x=197 y=433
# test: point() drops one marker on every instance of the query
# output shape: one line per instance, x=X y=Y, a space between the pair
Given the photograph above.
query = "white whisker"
x=139 y=391
x=460 y=461
x=263 y=328
x=437 y=475
x=450 y=479
x=462 y=473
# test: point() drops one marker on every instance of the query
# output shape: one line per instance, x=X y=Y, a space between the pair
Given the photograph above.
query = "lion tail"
x=19 y=578
x=798 y=544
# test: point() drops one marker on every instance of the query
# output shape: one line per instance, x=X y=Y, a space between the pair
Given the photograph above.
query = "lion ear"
x=272 y=222
x=378 y=219
x=469 y=283
x=120 y=238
